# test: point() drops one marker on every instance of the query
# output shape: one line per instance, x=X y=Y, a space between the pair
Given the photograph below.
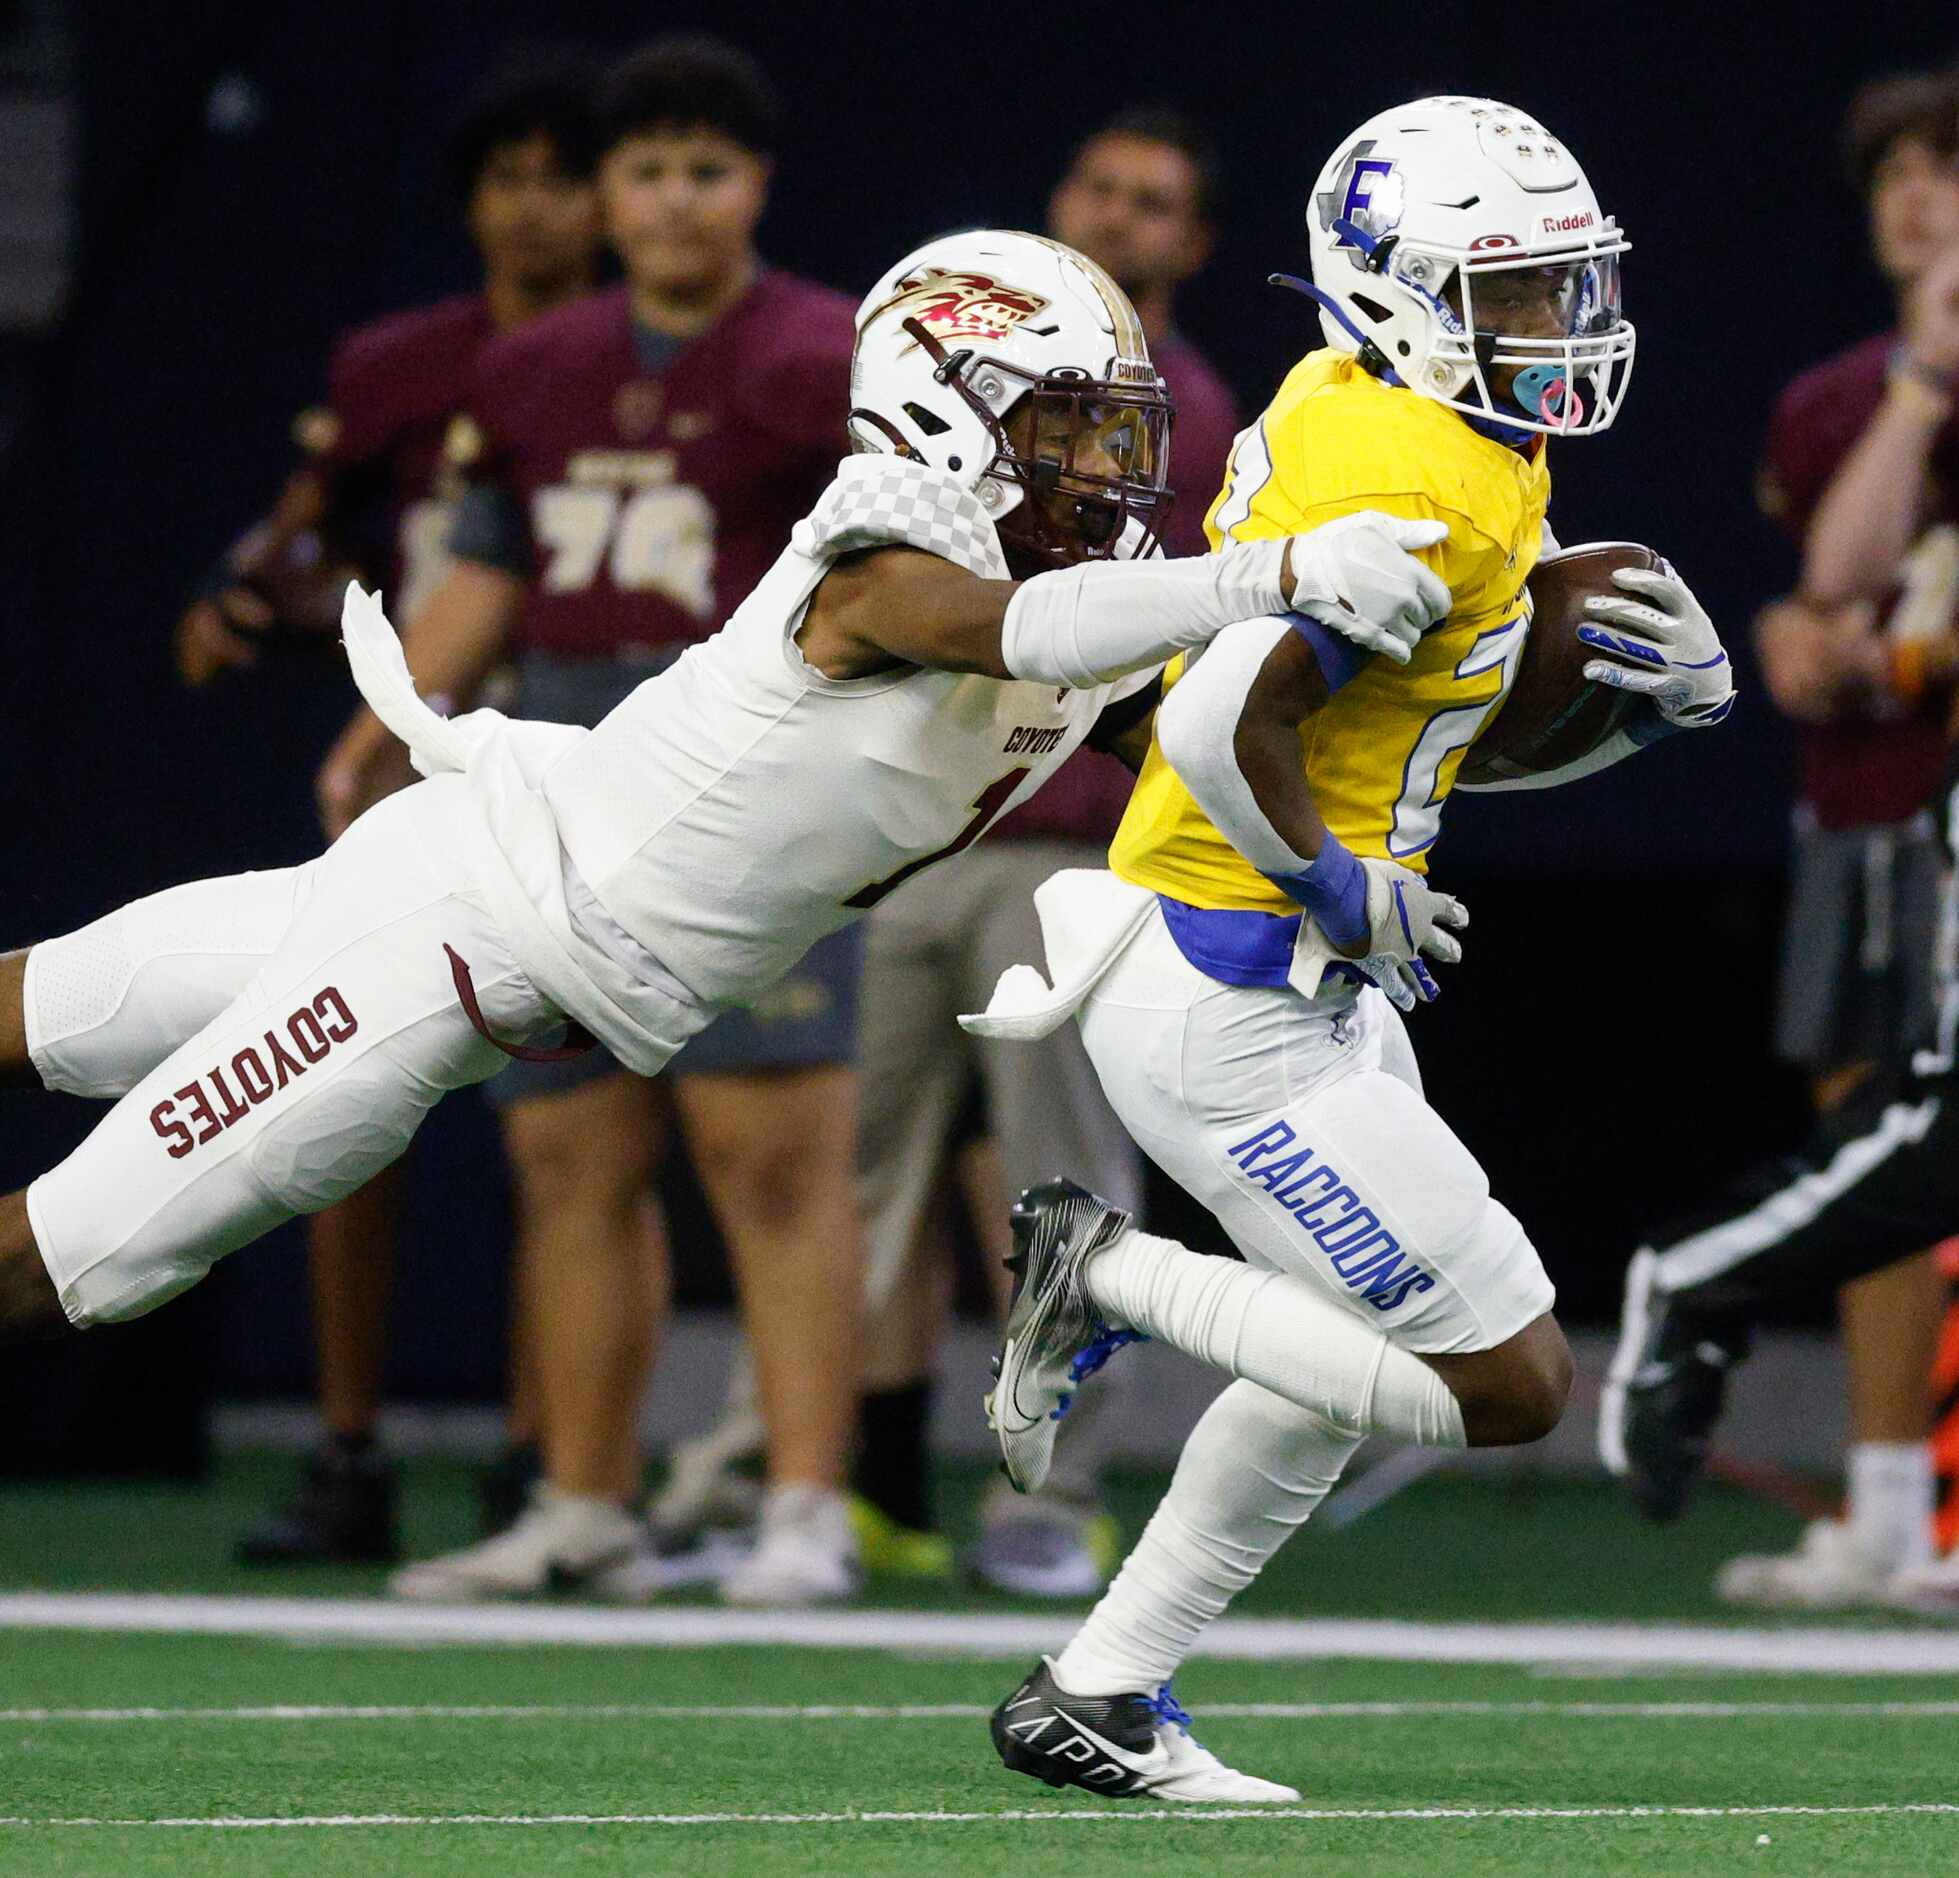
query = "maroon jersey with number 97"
x=656 y=498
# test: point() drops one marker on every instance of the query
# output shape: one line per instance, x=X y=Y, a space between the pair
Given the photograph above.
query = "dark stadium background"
x=255 y=177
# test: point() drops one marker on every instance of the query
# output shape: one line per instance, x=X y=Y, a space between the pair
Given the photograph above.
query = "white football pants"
x=1307 y=1135
x=273 y=1039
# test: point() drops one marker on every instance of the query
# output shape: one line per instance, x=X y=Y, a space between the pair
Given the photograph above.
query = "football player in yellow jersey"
x=1235 y=972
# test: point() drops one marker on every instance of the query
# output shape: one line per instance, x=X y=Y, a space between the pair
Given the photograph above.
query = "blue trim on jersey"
x=1470 y=665
x=1340 y=659
x=1237 y=945
x=1234 y=945
x=1497 y=431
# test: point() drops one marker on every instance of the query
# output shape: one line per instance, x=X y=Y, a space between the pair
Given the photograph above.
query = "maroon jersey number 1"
x=991 y=800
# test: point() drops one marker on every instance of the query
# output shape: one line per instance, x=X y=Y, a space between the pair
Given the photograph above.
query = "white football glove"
x=1667 y=650
x=1406 y=918
x=1357 y=576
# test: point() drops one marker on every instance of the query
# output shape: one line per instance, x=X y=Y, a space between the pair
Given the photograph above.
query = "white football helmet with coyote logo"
x=951 y=341
x=1413 y=223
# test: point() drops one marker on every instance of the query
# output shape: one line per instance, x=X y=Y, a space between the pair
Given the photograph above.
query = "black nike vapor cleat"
x=1125 y=1747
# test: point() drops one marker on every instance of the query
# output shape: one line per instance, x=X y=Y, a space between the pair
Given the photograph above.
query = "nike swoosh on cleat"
x=1142 y=1766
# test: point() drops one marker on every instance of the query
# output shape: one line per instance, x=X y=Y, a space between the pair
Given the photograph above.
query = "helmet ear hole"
x=1372 y=308
x=929 y=422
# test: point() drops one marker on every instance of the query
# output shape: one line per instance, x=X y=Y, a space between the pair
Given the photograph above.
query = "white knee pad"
x=104 y=1004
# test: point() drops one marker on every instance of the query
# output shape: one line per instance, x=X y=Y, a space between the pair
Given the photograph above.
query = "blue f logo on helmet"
x=1373 y=198
x=1431 y=225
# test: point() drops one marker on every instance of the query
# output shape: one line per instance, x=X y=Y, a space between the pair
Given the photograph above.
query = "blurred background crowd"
x=261 y=267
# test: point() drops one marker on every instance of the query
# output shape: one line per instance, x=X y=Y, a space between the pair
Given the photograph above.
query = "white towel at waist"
x=436 y=743
x=1087 y=918
x=516 y=855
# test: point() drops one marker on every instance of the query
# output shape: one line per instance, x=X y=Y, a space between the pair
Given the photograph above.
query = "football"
x=1554 y=714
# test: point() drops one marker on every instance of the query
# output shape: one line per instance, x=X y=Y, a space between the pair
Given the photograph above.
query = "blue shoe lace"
x=1165 y=1707
x=1091 y=1356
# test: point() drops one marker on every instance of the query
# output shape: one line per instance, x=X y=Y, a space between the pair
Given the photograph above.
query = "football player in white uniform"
x=945 y=628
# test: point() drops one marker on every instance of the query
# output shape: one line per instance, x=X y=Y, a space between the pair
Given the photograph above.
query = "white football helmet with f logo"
x=1433 y=225
x=963 y=330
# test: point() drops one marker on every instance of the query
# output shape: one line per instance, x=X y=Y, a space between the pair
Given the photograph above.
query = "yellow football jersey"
x=1383 y=754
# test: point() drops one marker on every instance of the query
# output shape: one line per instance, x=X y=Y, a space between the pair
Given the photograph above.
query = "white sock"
x=1891 y=1496
x=1251 y=1472
x=1276 y=1331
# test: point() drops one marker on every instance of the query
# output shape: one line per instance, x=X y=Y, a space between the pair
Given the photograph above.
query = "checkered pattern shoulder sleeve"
x=887 y=501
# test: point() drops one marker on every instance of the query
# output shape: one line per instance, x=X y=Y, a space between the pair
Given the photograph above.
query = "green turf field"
x=705 y=1760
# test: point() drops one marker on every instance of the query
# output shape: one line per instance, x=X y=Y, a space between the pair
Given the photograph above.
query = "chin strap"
x=1372 y=357
x=1499 y=432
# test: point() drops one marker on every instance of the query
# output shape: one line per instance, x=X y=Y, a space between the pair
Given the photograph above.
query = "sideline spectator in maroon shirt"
x=635 y=462
x=370 y=483
x=1138 y=199
x=1862 y=469
x=370 y=488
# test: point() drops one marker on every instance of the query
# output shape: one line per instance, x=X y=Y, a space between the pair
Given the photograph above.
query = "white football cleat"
x=561 y=1540
x=1930 y=1590
x=1828 y=1571
x=805 y=1552
x=1054 y=1338
x=1126 y=1747
x=656 y=1568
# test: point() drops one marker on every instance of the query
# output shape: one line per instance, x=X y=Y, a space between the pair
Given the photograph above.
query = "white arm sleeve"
x=1082 y=626
x=1197 y=728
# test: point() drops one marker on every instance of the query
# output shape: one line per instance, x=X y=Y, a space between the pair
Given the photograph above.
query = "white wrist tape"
x=1081 y=626
x=1197 y=728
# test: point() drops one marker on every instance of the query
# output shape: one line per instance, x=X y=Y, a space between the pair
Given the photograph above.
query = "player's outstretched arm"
x=1884 y=491
x=1230 y=728
x=1083 y=626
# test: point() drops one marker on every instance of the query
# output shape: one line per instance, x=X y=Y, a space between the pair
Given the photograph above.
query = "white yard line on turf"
x=1126 y=1816
x=973 y=1711
x=1903 y=1651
